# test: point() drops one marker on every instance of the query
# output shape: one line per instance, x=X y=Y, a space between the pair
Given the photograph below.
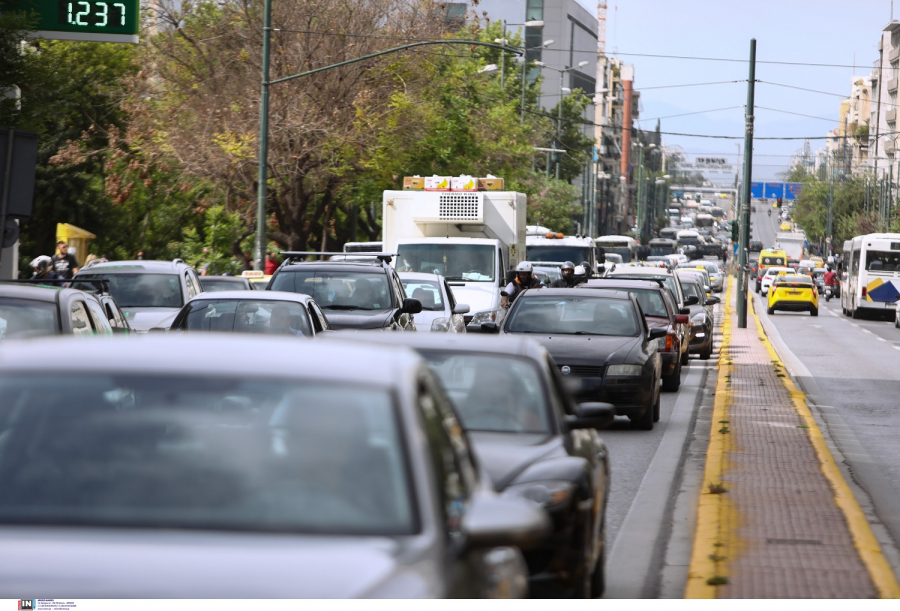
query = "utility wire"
x=799 y=114
x=685 y=114
x=691 y=85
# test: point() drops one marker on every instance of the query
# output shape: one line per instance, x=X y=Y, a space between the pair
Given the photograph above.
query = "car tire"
x=706 y=354
x=656 y=407
x=672 y=382
x=770 y=311
x=854 y=314
x=814 y=312
x=644 y=422
x=684 y=358
x=598 y=577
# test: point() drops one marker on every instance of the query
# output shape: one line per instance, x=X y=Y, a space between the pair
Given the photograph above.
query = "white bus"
x=872 y=266
x=620 y=245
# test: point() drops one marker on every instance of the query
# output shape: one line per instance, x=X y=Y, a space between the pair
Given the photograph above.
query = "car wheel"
x=644 y=422
x=684 y=358
x=897 y=321
x=706 y=354
x=656 y=408
x=672 y=382
x=814 y=311
x=770 y=310
x=598 y=577
x=854 y=314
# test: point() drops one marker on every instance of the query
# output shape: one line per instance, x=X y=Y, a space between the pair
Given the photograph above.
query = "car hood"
x=144 y=319
x=586 y=349
x=479 y=296
x=506 y=455
x=359 y=319
x=424 y=319
x=117 y=563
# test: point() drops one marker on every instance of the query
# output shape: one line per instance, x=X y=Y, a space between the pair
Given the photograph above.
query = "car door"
x=192 y=288
x=98 y=317
x=405 y=321
x=79 y=319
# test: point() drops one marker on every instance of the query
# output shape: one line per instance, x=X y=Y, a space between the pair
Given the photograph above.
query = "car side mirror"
x=461 y=308
x=712 y=300
x=490 y=327
x=591 y=416
x=684 y=311
x=682 y=319
x=692 y=299
x=657 y=332
x=411 y=306
x=495 y=521
x=601 y=268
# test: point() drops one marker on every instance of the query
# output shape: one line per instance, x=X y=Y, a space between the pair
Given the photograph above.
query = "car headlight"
x=624 y=370
x=550 y=494
x=440 y=325
x=486 y=316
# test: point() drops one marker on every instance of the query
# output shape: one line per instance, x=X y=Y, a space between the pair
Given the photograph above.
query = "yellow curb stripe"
x=713 y=509
x=863 y=538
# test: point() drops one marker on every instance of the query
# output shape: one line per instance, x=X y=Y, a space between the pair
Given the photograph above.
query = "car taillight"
x=864 y=292
x=670 y=342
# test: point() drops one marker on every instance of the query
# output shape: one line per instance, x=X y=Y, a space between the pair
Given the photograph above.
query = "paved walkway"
x=775 y=520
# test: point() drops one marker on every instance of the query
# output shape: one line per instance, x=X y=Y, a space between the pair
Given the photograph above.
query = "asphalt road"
x=646 y=476
x=764 y=226
x=848 y=369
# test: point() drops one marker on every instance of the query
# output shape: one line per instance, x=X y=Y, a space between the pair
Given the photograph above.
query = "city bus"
x=662 y=246
x=620 y=245
x=870 y=265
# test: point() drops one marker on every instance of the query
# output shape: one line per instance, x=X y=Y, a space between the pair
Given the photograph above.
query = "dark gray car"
x=174 y=467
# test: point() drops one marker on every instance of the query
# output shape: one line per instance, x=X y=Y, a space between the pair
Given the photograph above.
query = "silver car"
x=440 y=312
x=240 y=466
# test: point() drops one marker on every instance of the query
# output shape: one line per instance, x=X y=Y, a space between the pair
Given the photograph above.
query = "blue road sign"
x=735 y=249
x=757 y=190
x=792 y=191
x=774 y=190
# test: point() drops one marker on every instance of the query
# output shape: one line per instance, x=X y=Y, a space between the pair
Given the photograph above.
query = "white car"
x=770 y=275
x=440 y=312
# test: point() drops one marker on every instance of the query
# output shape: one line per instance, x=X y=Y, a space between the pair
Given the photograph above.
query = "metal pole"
x=640 y=192
x=524 y=83
x=745 y=198
x=263 y=178
x=890 y=200
x=830 y=217
x=562 y=74
x=7 y=178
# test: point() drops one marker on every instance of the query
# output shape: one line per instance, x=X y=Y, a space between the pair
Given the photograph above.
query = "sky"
x=807 y=31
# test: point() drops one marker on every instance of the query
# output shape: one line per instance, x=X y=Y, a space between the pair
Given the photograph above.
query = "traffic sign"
x=775 y=190
x=89 y=20
x=757 y=190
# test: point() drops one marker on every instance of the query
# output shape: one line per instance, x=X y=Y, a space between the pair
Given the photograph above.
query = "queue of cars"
x=458 y=466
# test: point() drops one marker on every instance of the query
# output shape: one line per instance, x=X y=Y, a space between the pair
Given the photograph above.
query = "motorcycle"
x=770 y=212
x=829 y=292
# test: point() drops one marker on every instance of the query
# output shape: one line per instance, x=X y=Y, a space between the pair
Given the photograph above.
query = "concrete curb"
x=710 y=540
x=863 y=538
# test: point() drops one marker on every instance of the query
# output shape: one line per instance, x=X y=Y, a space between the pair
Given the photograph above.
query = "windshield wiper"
x=344 y=307
x=585 y=333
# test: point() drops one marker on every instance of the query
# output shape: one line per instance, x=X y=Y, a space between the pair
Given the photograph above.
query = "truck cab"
x=554 y=249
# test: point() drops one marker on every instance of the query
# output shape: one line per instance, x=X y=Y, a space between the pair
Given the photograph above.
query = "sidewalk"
x=775 y=518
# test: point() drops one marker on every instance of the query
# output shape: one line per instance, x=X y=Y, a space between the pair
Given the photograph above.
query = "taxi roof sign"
x=253 y=273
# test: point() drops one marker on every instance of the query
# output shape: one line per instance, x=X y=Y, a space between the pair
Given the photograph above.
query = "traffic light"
x=734 y=232
x=779 y=202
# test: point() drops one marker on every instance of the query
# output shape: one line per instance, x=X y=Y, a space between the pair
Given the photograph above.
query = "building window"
x=534 y=10
x=584 y=82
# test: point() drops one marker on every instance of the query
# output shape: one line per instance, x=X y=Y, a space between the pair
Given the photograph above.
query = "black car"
x=755 y=246
x=214 y=284
x=534 y=442
x=659 y=311
x=701 y=336
x=599 y=337
x=354 y=294
x=33 y=311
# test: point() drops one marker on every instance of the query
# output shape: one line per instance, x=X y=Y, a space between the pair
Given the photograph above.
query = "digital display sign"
x=91 y=20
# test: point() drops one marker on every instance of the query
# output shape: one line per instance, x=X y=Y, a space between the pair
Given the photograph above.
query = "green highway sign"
x=90 y=20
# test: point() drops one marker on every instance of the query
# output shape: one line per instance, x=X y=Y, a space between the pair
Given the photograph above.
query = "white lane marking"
x=864 y=330
x=853 y=324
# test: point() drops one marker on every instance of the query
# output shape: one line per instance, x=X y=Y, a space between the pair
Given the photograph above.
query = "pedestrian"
x=271 y=263
x=90 y=258
x=42 y=268
x=140 y=255
x=64 y=264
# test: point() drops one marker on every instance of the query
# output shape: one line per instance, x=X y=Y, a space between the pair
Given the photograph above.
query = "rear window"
x=247 y=316
x=338 y=290
x=138 y=290
x=21 y=318
x=577 y=315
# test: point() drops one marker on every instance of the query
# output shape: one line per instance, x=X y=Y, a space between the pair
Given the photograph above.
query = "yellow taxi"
x=793 y=292
x=785 y=227
x=819 y=261
x=258 y=278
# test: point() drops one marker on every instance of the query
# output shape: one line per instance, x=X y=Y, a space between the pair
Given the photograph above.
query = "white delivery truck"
x=470 y=238
x=791 y=244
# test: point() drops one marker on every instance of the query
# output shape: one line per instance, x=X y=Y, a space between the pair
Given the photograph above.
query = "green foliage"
x=551 y=202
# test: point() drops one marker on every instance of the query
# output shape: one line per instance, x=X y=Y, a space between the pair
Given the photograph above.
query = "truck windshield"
x=575 y=254
x=455 y=262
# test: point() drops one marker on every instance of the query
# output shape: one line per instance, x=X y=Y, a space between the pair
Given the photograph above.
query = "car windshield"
x=138 y=290
x=493 y=392
x=223 y=453
x=212 y=285
x=20 y=318
x=247 y=316
x=459 y=262
x=692 y=288
x=652 y=302
x=338 y=290
x=576 y=254
x=563 y=315
x=426 y=291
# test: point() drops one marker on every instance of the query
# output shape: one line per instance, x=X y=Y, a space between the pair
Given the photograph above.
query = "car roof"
x=623 y=283
x=213 y=354
x=576 y=292
x=254 y=296
x=796 y=278
x=354 y=266
x=642 y=271
x=419 y=276
x=488 y=344
x=234 y=279
x=129 y=267
x=35 y=293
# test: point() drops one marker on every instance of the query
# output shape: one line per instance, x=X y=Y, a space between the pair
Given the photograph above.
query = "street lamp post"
x=263 y=169
x=503 y=41
x=562 y=91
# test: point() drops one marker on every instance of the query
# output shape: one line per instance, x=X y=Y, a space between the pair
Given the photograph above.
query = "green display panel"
x=96 y=20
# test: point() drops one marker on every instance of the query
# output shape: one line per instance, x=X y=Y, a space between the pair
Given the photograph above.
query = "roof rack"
x=94 y=262
x=294 y=256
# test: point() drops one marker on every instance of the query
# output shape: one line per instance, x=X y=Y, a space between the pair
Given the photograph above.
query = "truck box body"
x=791 y=243
x=471 y=238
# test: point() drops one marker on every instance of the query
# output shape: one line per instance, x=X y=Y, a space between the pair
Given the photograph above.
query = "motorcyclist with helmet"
x=830 y=280
x=567 y=270
x=525 y=279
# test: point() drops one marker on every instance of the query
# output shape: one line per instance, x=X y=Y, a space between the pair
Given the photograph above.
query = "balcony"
x=894 y=55
x=891 y=115
x=889 y=146
x=892 y=85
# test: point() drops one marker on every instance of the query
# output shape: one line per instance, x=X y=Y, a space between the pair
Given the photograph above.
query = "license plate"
x=793 y=292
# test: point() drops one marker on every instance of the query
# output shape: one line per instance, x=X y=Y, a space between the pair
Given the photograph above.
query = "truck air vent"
x=460 y=207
